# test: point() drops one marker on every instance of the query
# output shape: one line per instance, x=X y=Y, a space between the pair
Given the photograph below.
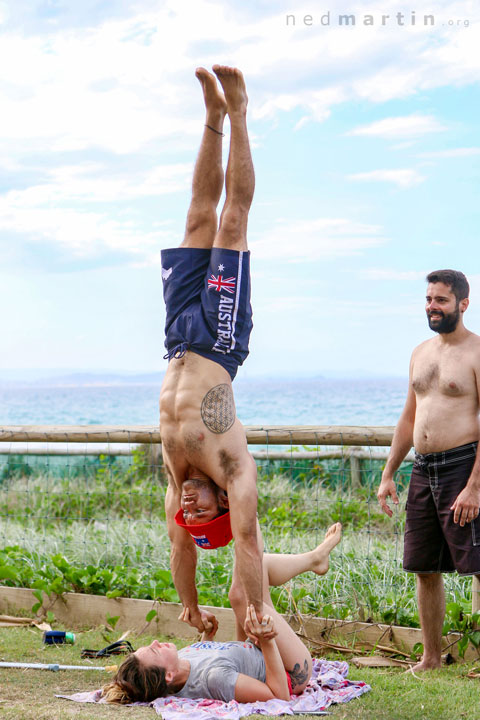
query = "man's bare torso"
x=198 y=423
x=445 y=386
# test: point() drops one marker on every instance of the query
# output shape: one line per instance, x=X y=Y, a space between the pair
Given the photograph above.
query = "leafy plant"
x=459 y=618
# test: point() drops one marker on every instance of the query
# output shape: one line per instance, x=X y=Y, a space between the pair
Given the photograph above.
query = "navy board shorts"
x=433 y=542
x=207 y=298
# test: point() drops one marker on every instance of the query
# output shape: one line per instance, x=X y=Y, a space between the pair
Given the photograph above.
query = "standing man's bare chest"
x=449 y=374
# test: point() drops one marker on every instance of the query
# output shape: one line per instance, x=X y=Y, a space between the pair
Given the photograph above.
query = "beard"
x=444 y=324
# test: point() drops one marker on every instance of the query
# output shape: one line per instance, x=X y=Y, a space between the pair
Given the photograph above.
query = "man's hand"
x=466 y=506
x=258 y=631
x=209 y=634
x=204 y=621
x=386 y=489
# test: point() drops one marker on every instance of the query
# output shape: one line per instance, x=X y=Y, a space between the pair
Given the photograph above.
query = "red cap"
x=213 y=534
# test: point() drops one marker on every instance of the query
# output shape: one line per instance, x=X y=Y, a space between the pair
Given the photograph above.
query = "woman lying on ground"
x=275 y=665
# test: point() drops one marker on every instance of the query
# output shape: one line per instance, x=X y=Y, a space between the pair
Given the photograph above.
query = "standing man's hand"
x=466 y=506
x=203 y=620
x=385 y=489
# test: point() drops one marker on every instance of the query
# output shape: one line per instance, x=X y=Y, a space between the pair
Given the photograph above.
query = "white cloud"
x=83 y=234
x=317 y=102
x=400 y=127
x=113 y=86
x=3 y=13
x=403 y=145
x=67 y=211
x=125 y=82
x=346 y=308
x=92 y=183
x=403 y=178
x=318 y=239
x=474 y=281
x=451 y=153
x=373 y=64
x=392 y=274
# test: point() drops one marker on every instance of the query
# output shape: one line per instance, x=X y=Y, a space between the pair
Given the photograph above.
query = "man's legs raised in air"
x=207 y=185
x=240 y=176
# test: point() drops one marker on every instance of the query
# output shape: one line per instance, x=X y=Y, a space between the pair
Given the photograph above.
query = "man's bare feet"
x=215 y=102
x=321 y=553
x=233 y=84
x=423 y=666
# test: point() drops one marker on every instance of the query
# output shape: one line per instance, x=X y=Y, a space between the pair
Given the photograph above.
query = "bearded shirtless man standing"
x=441 y=419
x=207 y=294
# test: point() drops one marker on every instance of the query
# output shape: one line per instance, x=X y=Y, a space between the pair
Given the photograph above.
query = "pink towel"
x=328 y=685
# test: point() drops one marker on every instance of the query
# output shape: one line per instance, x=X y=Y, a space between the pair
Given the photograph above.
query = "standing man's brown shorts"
x=433 y=542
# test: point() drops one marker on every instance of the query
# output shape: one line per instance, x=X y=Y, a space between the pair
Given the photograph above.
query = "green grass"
x=30 y=694
x=445 y=694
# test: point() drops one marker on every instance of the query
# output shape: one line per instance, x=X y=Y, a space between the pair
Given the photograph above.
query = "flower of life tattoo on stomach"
x=218 y=409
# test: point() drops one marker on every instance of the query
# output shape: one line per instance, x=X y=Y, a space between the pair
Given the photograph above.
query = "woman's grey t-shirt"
x=215 y=666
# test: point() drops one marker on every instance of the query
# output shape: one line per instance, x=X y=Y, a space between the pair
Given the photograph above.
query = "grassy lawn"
x=446 y=694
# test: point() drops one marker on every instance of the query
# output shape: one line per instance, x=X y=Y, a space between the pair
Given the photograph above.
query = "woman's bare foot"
x=233 y=84
x=215 y=102
x=321 y=553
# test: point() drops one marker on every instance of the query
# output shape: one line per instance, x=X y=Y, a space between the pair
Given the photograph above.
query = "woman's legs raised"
x=282 y=568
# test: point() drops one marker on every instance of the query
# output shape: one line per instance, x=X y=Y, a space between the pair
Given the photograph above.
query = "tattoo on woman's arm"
x=297 y=675
x=218 y=409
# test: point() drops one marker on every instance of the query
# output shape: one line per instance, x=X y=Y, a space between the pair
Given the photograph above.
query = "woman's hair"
x=135 y=682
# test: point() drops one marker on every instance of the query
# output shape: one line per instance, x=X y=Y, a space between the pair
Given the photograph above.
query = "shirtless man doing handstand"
x=206 y=284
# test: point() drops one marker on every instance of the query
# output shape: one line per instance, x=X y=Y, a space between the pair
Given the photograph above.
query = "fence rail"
x=256 y=434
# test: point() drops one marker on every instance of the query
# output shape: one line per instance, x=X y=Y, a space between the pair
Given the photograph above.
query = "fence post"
x=475 y=594
x=355 y=470
x=154 y=458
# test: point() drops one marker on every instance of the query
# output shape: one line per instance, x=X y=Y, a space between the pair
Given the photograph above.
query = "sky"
x=367 y=158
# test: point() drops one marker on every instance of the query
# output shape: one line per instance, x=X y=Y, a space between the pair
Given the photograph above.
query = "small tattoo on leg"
x=297 y=675
x=218 y=409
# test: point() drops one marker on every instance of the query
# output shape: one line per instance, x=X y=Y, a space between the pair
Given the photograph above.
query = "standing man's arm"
x=401 y=443
x=183 y=564
x=242 y=499
x=467 y=504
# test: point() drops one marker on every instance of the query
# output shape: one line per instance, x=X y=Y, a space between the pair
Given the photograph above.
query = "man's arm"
x=401 y=443
x=183 y=564
x=467 y=504
x=242 y=499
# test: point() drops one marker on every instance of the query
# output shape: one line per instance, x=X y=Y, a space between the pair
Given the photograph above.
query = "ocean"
x=259 y=401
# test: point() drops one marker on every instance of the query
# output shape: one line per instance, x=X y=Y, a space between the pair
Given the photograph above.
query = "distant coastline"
x=117 y=399
x=32 y=379
x=76 y=380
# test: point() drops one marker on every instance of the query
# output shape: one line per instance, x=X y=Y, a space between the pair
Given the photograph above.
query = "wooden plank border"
x=75 y=610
